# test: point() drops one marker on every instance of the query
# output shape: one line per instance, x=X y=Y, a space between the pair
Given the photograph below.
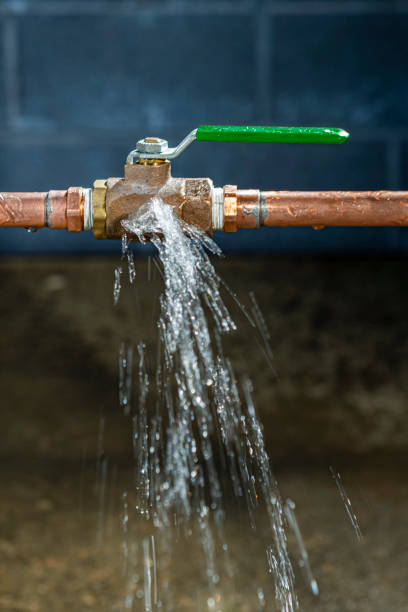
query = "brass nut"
x=99 y=209
x=75 y=209
x=150 y=162
x=230 y=208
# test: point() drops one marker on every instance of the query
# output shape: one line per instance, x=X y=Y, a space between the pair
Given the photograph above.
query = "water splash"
x=196 y=434
x=304 y=562
x=117 y=285
x=147 y=575
x=347 y=503
x=263 y=330
x=125 y=531
x=125 y=377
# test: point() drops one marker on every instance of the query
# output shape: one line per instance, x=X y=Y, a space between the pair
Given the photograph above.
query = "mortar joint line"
x=263 y=29
x=11 y=76
x=61 y=8
x=336 y=7
x=123 y=8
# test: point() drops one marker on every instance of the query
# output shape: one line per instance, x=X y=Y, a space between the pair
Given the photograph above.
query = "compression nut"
x=99 y=209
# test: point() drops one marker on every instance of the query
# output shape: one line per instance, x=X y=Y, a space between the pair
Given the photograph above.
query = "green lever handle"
x=157 y=148
x=296 y=135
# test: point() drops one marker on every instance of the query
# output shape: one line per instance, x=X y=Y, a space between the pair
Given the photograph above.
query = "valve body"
x=190 y=198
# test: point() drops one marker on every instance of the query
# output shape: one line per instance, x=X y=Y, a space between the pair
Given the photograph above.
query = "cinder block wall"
x=84 y=79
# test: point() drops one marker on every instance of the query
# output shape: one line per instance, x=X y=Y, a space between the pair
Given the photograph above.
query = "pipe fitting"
x=62 y=209
x=88 y=214
x=56 y=210
x=248 y=209
x=99 y=209
x=75 y=209
x=230 y=208
x=217 y=208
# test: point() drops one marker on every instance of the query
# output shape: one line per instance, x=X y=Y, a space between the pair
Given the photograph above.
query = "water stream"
x=198 y=445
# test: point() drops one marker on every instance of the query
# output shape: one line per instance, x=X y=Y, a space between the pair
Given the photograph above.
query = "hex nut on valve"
x=151 y=145
x=99 y=209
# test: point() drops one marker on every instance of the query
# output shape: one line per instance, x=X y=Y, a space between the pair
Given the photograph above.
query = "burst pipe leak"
x=147 y=174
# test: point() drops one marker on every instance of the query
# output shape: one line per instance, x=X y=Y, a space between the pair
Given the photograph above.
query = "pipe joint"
x=217 y=208
x=230 y=208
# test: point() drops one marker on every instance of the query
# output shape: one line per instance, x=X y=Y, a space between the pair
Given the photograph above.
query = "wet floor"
x=52 y=556
x=58 y=376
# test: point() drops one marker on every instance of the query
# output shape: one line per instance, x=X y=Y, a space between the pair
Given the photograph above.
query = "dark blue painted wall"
x=82 y=80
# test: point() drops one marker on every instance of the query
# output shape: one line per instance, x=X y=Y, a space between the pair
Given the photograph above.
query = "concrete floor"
x=339 y=333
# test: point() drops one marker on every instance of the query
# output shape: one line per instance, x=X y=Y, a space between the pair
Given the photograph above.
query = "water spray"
x=197 y=201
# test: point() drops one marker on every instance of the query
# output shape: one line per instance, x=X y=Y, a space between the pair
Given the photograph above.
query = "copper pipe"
x=54 y=209
x=22 y=209
x=249 y=208
x=252 y=208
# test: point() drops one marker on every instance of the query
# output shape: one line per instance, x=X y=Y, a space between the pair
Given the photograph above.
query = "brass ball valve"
x=197 y=201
